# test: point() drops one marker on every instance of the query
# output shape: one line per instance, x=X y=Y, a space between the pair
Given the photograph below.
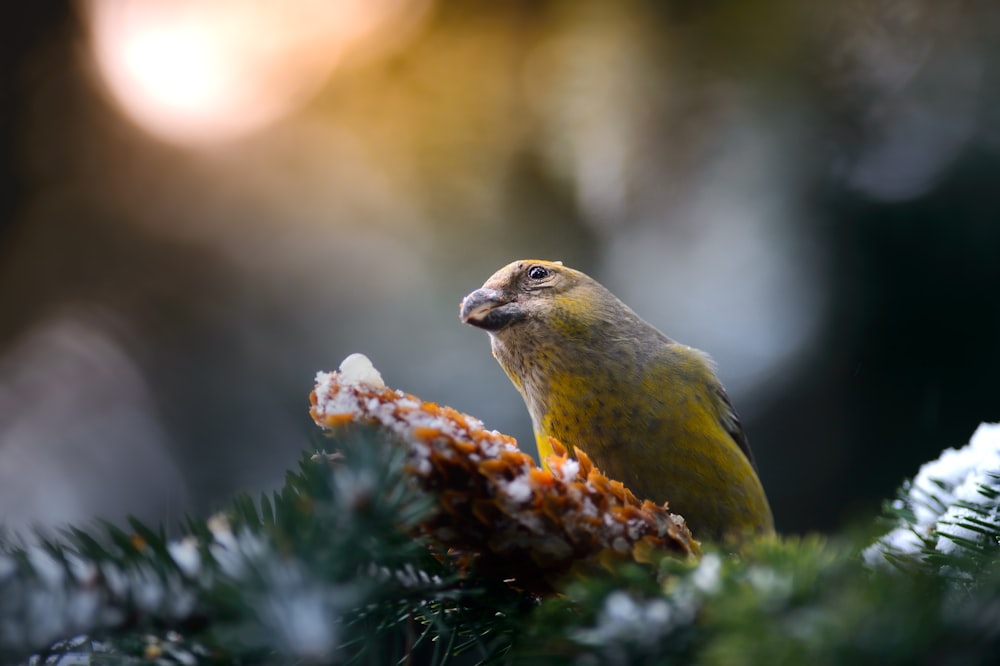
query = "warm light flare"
x=175 y=69
x=207 y=71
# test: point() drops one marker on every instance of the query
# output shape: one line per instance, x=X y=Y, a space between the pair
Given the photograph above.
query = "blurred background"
x=202 y=203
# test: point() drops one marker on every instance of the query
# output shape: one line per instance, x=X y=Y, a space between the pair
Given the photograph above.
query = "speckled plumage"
x=649 y=411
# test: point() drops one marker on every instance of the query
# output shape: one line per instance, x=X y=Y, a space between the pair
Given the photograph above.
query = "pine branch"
x=948 y=516
x=785 y=601
x=316 y=572
x=348 y=563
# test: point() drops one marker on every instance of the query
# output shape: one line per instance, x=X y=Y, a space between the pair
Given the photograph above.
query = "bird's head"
x=519 y=292
x=531 y=291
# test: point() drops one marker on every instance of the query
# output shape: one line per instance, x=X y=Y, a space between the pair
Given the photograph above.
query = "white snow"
x=953 y=478
x=114 y=579
x=83 y=571
x=304 y=623
x=568 y=470
x=708 y=575
x=46 y=566
x=148 y=592
x=185 y=555
x=409 y=576
x=304 y=618
x=357 y=369
x=588 y=508
x=222 y=532
x=518 y=489
x=324 y=381
x=771 y=584
x=635 y=528
x=181 y=655
x=340 y=402
x=625 y=620
x=982 y=458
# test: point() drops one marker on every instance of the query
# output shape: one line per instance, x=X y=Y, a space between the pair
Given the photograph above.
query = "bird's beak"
x=489 y=309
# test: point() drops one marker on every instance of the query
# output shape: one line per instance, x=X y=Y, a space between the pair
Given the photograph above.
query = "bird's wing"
x=731 y=422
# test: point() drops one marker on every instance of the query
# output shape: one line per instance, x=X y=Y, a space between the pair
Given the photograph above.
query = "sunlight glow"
x=175 y=69
x=209 y=71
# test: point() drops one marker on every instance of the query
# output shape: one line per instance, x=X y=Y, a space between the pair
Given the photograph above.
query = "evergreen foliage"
x=333 y=568
x=327 y=569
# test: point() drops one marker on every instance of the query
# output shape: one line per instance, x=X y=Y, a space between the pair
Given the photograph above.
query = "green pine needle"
x=331 y=568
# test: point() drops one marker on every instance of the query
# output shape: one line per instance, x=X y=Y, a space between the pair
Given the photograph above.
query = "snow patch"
x=357 y=370
x=519 y=489
x=708 y=576
x=186 y=555
x=625 y=621
x=936 y=495
x=569 y=470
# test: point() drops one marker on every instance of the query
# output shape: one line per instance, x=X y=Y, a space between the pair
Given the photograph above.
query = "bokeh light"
x=193 y=72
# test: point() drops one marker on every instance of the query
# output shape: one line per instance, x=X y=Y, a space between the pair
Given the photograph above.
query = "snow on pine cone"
x=495 y=507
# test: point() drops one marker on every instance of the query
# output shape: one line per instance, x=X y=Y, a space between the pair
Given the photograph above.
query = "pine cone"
x=509 y=517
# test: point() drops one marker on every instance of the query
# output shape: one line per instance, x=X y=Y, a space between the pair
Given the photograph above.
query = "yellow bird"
x=649 y=411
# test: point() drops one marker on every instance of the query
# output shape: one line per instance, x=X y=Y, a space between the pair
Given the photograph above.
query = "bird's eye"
x=538 y=273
